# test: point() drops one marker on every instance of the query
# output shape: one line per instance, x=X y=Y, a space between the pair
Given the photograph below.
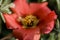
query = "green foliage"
x=4 y=7
x=58 y=4
x=12 y=38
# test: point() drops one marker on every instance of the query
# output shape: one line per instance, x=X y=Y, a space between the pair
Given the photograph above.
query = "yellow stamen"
x=29 y=21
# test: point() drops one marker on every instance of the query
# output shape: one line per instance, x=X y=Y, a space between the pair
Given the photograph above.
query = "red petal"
x=36 y=6
x=45 y=29
x=40 y=10
x=11 y=21
x=32 y=37
x=50 y=17
x=48 y=23
x=21 y=6
x=36 y=36
x=17 y=34
x=15 y=12
x=27 y=34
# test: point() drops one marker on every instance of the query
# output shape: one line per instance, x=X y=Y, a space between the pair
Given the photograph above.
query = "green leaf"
x=44 y=0
x=0 y=2
x=12 y=38
x=58 y=4
x=57 y=24
x=42 y=39
x=58 y=36
x=6 y=8
x=44 y=36
x=52 y=36
x=2 y=17
x=5 y=2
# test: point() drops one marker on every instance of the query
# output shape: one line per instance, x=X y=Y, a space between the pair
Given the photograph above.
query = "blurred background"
x=6 y=34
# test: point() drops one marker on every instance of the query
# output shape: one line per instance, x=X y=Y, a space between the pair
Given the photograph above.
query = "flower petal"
x=36 y=36
x=21 y=6
x=17 y=34
x=27 y=34
x=41 y=11
x=50 y=17
x=15 y=12
x=36 y=6
x=32 y=37
x=48 y=23
x=11 y=21
x=45 y=29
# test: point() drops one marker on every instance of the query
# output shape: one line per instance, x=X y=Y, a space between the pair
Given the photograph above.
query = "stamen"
x=29 y=21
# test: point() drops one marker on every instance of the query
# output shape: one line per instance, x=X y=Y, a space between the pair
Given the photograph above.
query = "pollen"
x=29 y=21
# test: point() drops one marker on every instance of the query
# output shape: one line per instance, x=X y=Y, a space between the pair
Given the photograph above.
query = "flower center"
x=29 y=21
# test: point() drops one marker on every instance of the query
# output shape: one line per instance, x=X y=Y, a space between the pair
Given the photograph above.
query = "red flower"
x=37 y=11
